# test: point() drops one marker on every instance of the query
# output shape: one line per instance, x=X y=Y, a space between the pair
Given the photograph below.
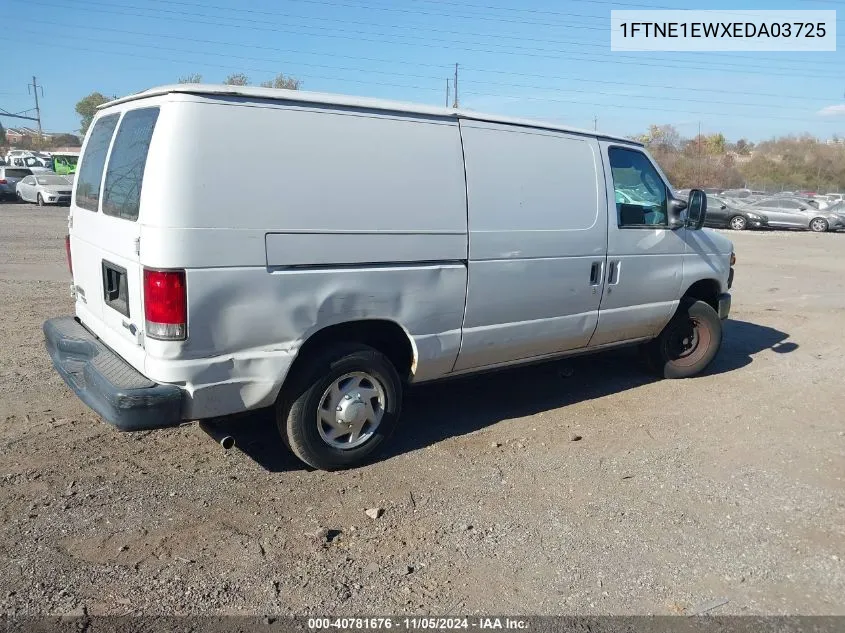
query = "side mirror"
x=697 y=209
x=802 y=208
x=676 y=207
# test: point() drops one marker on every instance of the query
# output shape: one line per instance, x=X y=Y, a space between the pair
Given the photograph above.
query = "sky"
x=535 y=58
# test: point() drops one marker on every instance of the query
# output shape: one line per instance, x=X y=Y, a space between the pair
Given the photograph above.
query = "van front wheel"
x=688 y=343
x=340 y=407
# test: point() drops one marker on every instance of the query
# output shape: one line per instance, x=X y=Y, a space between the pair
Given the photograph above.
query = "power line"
x=579 y=43
x=486 y=16
x=614 y=58
x=247 y=58
x=553 y=100
x=470 y=81
x=614 y=3
x=224 y=66
x=646 y=85
x=579 y=79
x=627 y=106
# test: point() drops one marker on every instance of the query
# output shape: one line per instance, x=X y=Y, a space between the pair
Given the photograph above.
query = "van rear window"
x=91 y=175
x=125 y=173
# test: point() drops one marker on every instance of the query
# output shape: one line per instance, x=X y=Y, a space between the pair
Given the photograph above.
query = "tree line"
x=786 y=163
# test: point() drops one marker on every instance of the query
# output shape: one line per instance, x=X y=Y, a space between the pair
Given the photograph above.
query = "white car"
x=44 y=189
x=32 y=162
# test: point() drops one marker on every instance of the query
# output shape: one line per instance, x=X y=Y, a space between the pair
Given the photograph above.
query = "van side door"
x=644 y=254
x=537 y=242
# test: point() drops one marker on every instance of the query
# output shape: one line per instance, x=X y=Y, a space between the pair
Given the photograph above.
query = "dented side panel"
x=246 y=325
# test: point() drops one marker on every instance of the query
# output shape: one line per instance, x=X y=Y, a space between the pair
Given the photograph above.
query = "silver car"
x=44 y=189
x=9 y=178
x=796 y=213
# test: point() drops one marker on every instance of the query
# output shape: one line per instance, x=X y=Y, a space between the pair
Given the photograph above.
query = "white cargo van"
x=379 y=244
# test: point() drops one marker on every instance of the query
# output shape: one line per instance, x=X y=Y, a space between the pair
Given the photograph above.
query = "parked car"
x=324 y=302
x=44 y=189
x=795 y=213
x=34 y=163
x=836 y=197
x=721 y=213
x=64 y=164
x=9 y=177
x=737 y=193
x=838 y=209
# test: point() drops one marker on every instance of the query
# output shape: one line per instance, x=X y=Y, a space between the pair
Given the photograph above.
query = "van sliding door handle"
x=595 y=273
x=613 y=273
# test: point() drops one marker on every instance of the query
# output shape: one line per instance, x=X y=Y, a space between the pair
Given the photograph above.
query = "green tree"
x=193 y=78
x=2 y=135
x=715 y=144
x=86 y=108
x=66 y=140
x=237 y=79
x=283 y=82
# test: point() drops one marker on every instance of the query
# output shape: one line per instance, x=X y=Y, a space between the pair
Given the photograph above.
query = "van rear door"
x=105 y=229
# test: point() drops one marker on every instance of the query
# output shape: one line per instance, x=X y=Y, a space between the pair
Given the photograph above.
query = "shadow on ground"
x=440 y=410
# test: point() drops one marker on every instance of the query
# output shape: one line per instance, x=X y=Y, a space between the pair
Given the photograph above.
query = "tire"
x=40 y=200
x=688 y=343
x=738 y=223
x=308 y=432
x=818 y=225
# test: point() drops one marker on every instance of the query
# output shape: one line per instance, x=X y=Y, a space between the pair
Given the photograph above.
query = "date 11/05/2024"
x=417 y=623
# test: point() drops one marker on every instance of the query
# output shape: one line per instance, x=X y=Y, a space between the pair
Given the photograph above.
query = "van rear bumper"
x=119 y=393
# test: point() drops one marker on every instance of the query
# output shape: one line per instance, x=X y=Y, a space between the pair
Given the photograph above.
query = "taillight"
x=3 y=181
x=165 y=304
x=67 y=250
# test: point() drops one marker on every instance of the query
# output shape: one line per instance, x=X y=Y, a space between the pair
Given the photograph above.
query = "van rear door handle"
x=595 y=273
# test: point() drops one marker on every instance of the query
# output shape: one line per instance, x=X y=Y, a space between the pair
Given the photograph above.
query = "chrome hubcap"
x=738 y=223
x=351 y=409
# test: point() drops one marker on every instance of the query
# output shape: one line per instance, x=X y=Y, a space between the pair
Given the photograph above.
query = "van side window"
x=125 y=173
x=640 y=192
x=91 y=175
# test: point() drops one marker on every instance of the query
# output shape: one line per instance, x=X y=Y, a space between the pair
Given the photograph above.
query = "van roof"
x=353 y=102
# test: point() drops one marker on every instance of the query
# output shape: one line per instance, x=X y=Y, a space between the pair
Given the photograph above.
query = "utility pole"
x=455 y=104
x=35 y=88
x=699 y=152
x=595 y=123
x=447 y=92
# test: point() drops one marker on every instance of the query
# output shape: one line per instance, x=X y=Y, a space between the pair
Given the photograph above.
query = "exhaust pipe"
x=217 y=434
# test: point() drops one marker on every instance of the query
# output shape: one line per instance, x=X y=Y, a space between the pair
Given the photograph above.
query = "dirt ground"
x=726 y=489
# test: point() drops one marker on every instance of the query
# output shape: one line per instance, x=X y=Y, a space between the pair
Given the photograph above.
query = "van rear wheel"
x=688 y=343
x=340 y=407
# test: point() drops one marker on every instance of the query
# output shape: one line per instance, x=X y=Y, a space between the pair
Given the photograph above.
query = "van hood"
x=723 y=244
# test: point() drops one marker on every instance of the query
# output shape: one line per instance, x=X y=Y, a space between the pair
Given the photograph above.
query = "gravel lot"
x=680 y=494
